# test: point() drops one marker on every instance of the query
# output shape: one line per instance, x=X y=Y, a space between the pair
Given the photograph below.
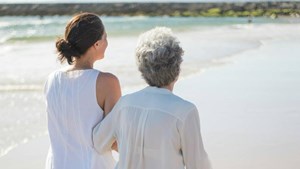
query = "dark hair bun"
x=80 y=34
x=66 y=51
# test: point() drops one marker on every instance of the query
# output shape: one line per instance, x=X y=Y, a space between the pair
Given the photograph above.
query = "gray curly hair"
x=158 y=56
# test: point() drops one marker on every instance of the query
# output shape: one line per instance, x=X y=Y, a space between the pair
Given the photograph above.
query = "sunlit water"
x=27 y=56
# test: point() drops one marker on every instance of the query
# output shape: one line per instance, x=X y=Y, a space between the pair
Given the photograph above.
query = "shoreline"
x=254 y=124
x=256 y=85
x=188 y=9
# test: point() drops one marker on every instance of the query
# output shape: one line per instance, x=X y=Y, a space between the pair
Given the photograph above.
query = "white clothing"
x=154 y=129
x=73 y=112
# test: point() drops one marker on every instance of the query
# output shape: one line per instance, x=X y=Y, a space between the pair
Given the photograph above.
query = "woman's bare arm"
x=108 y=93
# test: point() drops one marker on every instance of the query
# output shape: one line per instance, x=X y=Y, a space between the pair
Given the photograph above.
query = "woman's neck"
x=83 y=62
x=169 y=87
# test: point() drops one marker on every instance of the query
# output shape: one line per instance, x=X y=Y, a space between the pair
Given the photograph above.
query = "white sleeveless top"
x=73 y=112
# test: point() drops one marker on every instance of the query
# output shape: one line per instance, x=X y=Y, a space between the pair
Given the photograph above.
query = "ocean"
x=27 y=56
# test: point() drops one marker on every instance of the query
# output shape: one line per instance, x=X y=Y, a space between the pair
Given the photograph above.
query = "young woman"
x=78 y=96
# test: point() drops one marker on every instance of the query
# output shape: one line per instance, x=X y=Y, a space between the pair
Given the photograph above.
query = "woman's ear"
x=97 y=44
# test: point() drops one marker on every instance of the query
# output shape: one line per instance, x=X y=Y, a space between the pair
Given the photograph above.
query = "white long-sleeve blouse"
x=154 y=129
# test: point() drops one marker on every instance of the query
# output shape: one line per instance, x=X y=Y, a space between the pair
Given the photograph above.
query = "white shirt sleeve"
x=192 y=147
x=104 y=134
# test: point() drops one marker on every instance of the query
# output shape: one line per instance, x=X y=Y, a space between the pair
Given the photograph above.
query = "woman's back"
x=73 y=111
x=156 y=130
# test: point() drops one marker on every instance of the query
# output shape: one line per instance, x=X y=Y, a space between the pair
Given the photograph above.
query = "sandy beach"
x=248 y=106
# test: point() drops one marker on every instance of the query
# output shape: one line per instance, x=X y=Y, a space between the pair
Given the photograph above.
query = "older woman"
x=154 y=128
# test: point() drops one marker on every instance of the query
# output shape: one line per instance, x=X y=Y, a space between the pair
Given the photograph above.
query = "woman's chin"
x=100 y=57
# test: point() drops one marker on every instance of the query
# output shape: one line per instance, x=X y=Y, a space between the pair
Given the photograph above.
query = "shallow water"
x=27 y=56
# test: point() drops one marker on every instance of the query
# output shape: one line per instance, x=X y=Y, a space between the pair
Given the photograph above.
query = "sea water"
x=27 y=56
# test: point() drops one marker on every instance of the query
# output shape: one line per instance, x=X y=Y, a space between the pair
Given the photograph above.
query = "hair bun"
x=82 y=31
x=66 y=51
x=61 y=44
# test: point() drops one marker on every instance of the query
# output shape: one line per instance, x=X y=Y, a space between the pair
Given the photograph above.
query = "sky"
x=87 y=1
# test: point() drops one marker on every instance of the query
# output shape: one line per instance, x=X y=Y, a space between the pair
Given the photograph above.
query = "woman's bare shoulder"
x=107 y=79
